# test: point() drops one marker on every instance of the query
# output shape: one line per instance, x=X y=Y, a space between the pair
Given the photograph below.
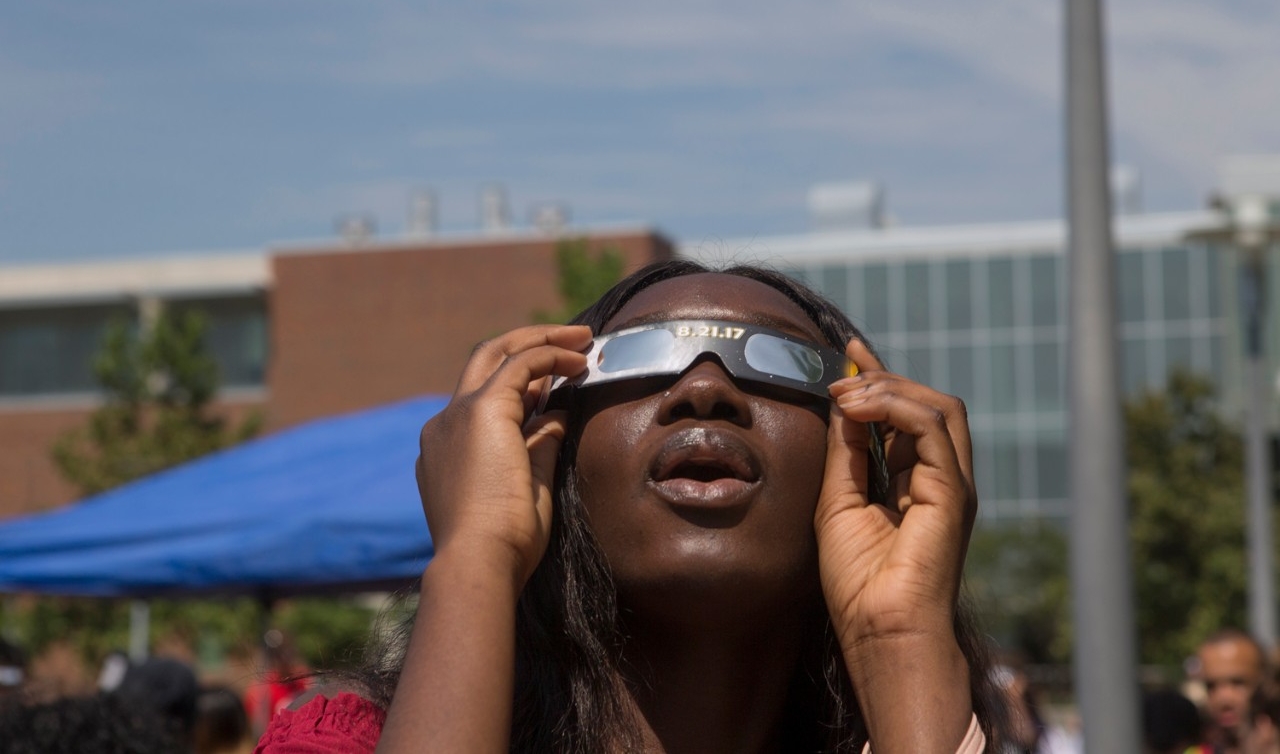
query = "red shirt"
x=277 y=691
x=345 y=724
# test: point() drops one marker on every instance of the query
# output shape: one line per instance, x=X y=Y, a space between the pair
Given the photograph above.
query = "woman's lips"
x=704 y=467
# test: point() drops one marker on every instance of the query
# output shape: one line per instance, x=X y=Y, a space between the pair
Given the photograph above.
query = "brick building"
x=299 y=332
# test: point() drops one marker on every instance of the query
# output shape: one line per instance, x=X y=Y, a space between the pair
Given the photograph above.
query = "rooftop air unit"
x=495 y=217
x=846 y=206
x=422 y=213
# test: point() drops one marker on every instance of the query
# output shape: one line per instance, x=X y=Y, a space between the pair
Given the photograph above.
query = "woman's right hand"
x=484 y=474
x=485 y=478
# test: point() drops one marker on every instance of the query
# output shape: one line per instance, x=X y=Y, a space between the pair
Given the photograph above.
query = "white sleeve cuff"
x=974 y=741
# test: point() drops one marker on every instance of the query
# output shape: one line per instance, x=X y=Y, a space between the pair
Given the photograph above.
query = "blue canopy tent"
x=328 y=506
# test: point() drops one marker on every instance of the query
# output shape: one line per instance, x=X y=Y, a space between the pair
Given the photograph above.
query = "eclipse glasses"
x=748 y=352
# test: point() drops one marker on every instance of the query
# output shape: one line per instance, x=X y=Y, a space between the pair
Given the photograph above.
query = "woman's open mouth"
x=704 y=467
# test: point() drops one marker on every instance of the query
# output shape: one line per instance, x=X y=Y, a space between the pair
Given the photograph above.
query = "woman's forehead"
x=713 y=295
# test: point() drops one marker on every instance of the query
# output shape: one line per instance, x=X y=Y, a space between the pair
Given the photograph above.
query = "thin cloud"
x=703 y=116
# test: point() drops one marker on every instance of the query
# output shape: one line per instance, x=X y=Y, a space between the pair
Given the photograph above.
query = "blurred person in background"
x=1263 y=734
x=285 y=679
x=165 y=686
x=1029 y=731
x=13 y=671
x=98 y=724
x=1170 y=723
x=1231 y=666
x=114 y=666
x=221 y=724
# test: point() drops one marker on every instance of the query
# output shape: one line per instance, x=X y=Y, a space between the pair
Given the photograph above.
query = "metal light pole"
x=1251 y=228
x=1101 y=572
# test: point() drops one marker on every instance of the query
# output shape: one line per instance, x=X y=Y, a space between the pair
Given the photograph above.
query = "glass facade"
x=991 y=329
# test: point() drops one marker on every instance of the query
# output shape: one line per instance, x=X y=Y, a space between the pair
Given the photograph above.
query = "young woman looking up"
x=707 y=552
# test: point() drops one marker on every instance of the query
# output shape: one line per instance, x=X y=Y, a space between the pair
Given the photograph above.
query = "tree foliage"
x=1186 y=495
x=583 y=277
x=158 y=387
x=1016 y=575
x=1185 y=491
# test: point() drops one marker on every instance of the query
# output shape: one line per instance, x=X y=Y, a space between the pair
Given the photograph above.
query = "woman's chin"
x=702 y=585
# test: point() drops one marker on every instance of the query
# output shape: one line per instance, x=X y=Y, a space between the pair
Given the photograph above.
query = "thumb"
x=844 y=482
x=544 y=435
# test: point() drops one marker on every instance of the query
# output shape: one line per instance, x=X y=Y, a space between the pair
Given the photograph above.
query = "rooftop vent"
x=550 y=218
x=356 y=228
x=846 y=206
x=495 y=217
x=422 y=213
x=1126 y=190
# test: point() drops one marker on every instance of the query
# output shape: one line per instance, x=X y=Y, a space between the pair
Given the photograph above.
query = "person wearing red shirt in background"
x=285 y=679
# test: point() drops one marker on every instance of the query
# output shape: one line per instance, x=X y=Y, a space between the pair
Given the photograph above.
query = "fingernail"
x=845 y=384
x=853 y=398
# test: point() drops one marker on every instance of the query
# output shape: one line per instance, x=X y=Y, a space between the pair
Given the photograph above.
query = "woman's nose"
x=706 y=392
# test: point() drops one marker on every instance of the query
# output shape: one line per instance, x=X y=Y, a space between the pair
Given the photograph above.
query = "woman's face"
x=702 y=491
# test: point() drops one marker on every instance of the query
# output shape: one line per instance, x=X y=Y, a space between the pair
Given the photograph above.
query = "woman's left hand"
x=891 y=573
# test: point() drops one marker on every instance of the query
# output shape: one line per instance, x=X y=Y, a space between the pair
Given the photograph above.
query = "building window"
x=1131 y=285
x=1000 y=292
x=1044 y=291
x=51 y=350
x=1177 y=356
x=919 y=365
x=1047 y=367
x=1004 y=385
x=959 y=296
x=1051 y=469
x=835 y=285
x=1177 y=284
x=875 y=297
x=960 y=378
x=1006 y=472
x=918 y=296
x=1133 y=365
x=235 y=334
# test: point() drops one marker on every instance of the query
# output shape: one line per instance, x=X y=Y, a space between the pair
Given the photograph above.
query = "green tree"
x=1016 y=575
x=583 y=277
x=158 y=386
x=1187 y=518
x=1185 y=490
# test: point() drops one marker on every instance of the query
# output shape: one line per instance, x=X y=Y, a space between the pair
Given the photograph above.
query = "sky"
x=151 y=127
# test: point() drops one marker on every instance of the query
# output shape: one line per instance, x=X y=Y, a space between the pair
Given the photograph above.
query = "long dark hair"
x=568 y=695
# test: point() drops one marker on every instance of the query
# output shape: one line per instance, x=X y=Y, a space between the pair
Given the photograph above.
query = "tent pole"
x=139 y=630
x=266 y=610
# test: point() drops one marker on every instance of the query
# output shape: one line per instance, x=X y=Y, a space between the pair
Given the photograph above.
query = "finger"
x=534 y=393
x=901 y=458
x=931 y=444
x=933 y=491
x=901 y=455
x=544 y=436
x=489 y=355
x=511 y=383
x=860 y=353
x=844 y=480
